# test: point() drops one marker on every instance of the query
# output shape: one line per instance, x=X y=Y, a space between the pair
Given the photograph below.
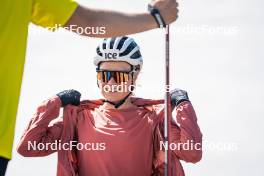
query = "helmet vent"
x=130 y=47
x=121 y=43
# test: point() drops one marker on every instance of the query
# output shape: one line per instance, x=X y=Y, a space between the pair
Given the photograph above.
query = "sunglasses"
x=118 y=76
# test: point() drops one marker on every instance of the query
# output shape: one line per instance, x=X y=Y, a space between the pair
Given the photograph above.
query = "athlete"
x=15 y=16
x=120 y=134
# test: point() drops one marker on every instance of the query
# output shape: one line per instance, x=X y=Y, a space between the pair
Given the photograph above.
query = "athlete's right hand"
x=69 y=97
x=168 y=9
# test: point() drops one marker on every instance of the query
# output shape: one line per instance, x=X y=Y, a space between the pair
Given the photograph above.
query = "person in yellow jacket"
x=15 y=16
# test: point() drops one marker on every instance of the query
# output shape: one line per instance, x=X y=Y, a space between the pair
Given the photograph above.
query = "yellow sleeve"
x=52 y=13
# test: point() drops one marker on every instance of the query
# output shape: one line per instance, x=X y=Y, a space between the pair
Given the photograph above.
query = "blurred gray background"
x=217 y=56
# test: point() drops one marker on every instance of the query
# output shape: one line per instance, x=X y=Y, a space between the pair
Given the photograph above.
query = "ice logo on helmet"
x=111 y=55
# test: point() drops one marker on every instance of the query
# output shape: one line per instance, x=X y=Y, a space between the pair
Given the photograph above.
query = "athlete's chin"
x=114 y=96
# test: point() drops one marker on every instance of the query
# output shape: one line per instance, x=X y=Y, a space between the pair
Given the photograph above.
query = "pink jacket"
x=42 y=130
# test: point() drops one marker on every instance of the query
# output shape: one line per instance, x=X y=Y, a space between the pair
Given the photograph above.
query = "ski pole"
x=167 y=120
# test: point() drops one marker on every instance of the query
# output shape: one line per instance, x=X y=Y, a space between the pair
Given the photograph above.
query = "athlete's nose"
x=111 y=81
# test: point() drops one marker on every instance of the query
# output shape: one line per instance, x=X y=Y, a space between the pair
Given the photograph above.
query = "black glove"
x=178 y=96
x=69 y=97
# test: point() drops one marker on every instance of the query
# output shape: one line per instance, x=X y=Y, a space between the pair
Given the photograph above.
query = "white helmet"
x=119 y=49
